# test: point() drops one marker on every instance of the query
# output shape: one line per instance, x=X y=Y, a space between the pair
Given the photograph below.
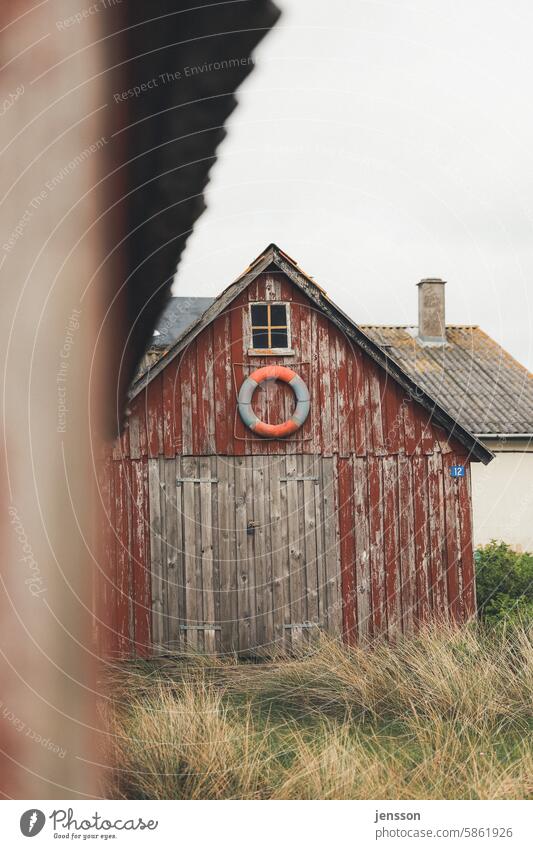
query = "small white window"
x=270 y=326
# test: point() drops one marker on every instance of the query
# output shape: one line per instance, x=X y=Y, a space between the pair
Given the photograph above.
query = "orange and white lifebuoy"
x=298 y=386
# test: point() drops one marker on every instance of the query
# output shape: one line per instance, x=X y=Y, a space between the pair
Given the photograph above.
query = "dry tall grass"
x=447 y=714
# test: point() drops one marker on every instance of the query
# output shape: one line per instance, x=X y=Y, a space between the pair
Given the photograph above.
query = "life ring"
x=298 y=386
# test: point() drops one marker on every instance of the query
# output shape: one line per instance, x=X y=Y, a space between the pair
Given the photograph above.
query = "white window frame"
x=271 y=352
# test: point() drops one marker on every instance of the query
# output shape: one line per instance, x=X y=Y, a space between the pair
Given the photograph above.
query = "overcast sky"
x=378 y=143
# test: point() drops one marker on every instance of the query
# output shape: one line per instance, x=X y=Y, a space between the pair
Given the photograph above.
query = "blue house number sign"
x=457 y=471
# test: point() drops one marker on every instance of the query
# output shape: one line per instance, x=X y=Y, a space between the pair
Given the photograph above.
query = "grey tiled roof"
x=471 y=376
x=178 y=315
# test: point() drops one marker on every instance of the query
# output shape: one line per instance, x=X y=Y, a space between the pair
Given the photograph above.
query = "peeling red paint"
x=404 y=527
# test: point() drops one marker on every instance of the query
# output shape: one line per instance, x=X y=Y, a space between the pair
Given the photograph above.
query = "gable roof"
x=471 y=376
x=272 y=255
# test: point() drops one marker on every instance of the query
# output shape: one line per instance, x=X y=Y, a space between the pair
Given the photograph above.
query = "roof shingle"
x=471 y=376
x=178 y=315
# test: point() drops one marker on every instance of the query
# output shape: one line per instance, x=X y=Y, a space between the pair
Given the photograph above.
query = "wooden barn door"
x=244 y=552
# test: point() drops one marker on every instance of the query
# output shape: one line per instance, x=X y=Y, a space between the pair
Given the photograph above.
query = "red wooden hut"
x=225 y=535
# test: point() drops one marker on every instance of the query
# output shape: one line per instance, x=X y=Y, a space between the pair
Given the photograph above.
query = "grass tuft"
x=447 y=714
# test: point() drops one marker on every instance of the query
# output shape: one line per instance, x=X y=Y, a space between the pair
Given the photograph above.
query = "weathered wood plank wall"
x=385 y=532
x=190 y=408
x=237 y=572
x=257 y=555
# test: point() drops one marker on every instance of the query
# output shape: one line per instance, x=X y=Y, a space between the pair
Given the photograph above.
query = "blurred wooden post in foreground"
x=53 y=128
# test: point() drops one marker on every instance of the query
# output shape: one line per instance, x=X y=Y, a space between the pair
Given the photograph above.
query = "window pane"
x=259 y=315
x=279 y=338
x=278 y=314
x=260 y=339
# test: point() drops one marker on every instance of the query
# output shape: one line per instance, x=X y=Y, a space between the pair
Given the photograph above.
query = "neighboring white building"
x=489 y=393
x=502 y=494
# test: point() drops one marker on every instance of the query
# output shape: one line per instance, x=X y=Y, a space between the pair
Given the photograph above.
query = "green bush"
x=504 y=583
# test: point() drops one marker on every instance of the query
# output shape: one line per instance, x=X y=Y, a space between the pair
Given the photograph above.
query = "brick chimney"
x=431 y=320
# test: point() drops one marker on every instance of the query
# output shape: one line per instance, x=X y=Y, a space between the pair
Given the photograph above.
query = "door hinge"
x=179 y=481
x=301 y=478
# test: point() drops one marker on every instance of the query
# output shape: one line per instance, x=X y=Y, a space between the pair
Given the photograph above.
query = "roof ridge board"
x=387 y=326
x=404 y=326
